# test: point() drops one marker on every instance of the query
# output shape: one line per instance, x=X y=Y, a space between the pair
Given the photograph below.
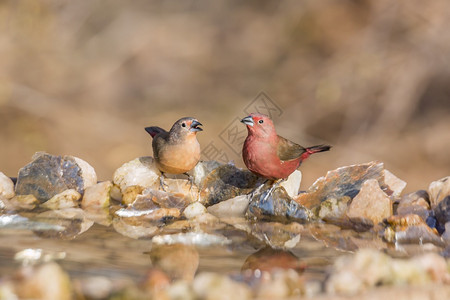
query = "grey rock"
x=442 y=211
x=48 y=175
x=414 y=203
x=278 y=207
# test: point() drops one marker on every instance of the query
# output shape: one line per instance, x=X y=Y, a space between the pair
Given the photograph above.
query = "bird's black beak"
x=194 y=126
x=248 y=121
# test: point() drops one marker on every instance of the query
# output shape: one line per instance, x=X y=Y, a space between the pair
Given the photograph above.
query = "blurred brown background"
x=371 y=78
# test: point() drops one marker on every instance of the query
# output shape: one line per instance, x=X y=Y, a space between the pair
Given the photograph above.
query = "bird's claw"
x=190 y=179
x=162 y=184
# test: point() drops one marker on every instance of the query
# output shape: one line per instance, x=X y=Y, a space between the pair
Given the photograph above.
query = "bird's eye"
x=183 y=124
x=261 y=121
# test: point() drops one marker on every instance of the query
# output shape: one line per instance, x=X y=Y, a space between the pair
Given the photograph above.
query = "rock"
x=415 y=203
x=48 y=175
x=15 y=221
x=21 y=202
x=226 y=182
x=220 y=287
x=141 y=171
x=181 y=188
x=162 y=199
x=370 y=203
x=133 y=229
x=87 y=172
x=202 y=169
x=446 y=234
x=96 y=287
x=271 y=260
x=6 y=187
x=277 y=206
x=130 y=193
x=442 y=211
x=234 y=207
x=193 y=210
x=333 y=210
x=191 y=238
x=66 y=199
x=439 y=190
x=410 y=229
x=273 y=234
x=292 y=184
x=344 y=181
x=96 y=201
x=179 y=261
x=48 y=281
x=395 y=184
x=73 y=221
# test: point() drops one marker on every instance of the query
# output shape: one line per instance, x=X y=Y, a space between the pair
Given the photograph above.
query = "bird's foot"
x=190 y=179
x=162 y=184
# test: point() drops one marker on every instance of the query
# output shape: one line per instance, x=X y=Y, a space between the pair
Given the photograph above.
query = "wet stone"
x=234 y=207
x=21 y=202
x=333 y=210
x=417 y=203
x=135 y=229
x=48 y=175
x=442 y=211
x=130 y=193
x=370 y=203
x=181 y=188
x=277 y=206
x=344 y=181
x=446 y=234
x=411 y=229
x=96 y=201
x=193 y=210
x=439 y=190
x=226 y=182
x=162 y=199
x=275 y=235
x=202 y=169
x=6 y=187
x=292 y=183
x=73 y=222
x=179 y=261
x=66 y=199
x=218 y=286
x=141 y=171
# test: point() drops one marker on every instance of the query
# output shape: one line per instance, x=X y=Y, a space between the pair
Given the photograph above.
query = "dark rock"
x=278 y=207
x=226 y=182
x=417 y=203
x=438 y=190
x=48 y=175
x=345 y=181
x=442 y=211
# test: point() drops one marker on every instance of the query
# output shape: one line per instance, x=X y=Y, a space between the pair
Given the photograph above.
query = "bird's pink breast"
x=261 y=158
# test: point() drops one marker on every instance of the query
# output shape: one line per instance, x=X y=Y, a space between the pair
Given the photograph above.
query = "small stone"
x=220 y=287
x=141 y=171
x=96 y=201
x=277 y=206
x=292 y=184
x=48 y=175
x=439 y=190
x=332 y=209
x=6 y=187
x=191 y=238
x=226 y=182
x=67 y=199
x=415 y=203
x=275 y=235
x=48 y=281
x=370 y=203
x=180 y=187
x=133 y=229
x=395 y=184
x=344 y=181
x=178 y=261
x=73 y=221
x=162 y=199
x=96 y=287
x=21 y=202
x=87 y=172
x=193 y=210
x=202 y=169
x=234 y=207
x=130 y=193
x=116 y=193
x=442 y=211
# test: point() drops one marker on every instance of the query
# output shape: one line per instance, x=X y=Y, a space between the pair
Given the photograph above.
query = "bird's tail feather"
x=154 y=130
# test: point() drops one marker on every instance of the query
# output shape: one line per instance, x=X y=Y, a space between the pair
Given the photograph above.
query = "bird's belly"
x=179 y=159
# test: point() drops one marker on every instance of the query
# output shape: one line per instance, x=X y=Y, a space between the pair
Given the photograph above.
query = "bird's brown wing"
x=287 y=150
